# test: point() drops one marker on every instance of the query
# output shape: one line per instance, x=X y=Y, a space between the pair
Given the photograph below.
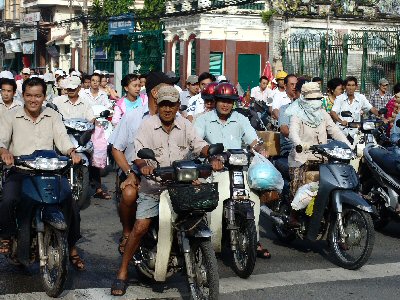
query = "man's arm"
x=374 y=111
x=284 y=129
x=336 y=118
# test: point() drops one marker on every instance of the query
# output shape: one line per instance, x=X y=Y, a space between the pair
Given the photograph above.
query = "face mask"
x=315 y=104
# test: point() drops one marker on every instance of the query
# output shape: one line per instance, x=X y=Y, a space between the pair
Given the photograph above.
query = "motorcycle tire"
x=54 y=272
x=205 y=266
x=354 y=222
x=81 y=191
x=283 y=233
x=244 y=257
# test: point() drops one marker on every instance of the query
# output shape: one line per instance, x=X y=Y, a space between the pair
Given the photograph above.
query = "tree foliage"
x=149 y=16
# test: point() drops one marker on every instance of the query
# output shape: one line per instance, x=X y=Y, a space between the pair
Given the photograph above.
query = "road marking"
x=231 y=284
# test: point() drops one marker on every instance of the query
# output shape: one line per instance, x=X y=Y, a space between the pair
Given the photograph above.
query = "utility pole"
x=84 y=56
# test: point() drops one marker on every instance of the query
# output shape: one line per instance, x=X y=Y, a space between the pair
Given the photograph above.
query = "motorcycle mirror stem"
x=147 y=153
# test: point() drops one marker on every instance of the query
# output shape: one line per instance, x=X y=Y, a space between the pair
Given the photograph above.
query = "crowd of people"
x=154 y=112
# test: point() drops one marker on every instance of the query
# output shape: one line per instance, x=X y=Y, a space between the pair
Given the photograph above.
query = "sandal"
x=119 y=286
x=77 y=262
x=102 y=195
x=262 y=253
x=122 y=243
x=5 y=247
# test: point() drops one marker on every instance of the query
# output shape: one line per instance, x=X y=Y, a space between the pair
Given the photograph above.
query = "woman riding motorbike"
x=309 y=126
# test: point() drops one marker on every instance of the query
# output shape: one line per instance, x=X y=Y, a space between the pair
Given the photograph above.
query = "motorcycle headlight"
x=368 y=125
x=46 y=164
x=238 y=159
x=340 y=153
x=187 y=175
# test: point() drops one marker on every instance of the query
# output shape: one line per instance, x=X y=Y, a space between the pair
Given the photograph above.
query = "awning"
x=57 y=39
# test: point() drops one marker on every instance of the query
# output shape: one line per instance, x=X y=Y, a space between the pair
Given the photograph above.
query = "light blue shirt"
x=124 y=133
x=235 y=131
x=395 y=132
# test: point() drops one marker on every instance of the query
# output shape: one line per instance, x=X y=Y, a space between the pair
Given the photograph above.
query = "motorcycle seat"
x=388 y=161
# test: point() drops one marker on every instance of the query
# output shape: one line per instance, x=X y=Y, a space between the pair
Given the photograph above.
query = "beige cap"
x=26 y=71
x=168 y=93
x=192 y=79
x=311 y=90
x=72 y=82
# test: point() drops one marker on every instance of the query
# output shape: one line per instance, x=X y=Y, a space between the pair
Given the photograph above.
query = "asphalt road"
x=299 y=271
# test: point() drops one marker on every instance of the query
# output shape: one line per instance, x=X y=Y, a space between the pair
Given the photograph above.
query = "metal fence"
x=144 y=48
x=367 y=55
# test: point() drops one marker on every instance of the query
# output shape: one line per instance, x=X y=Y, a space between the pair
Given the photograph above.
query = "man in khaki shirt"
x=171 y=138
x=71 y=106
x=23 y=131
x=8 y=89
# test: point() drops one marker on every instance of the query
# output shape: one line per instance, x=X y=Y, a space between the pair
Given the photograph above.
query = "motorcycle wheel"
x=359 y=242
x=80 y=192
x=284 y=234
x=54 y=272
x=244 y=257
x=205 y=268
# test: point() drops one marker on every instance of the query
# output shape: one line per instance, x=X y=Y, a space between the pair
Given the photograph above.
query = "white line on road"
x=232 y=284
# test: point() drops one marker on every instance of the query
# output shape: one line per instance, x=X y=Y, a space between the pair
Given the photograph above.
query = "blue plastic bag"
x=263 y=175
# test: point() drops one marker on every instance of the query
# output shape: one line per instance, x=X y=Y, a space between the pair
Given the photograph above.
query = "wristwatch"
x=128 y=172
x=134 y=171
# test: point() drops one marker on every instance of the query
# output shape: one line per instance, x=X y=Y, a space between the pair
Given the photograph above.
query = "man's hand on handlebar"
x=147 y=170
x=7 y=157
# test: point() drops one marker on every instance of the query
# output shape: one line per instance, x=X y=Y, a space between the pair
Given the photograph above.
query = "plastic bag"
x=263 y=175
x=304 y=195
x=99 y=158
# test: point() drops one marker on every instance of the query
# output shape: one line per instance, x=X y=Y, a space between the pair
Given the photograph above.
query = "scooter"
x=80 y=132
x=337 y=210
x=42 y=228
x=234 y=223
x=381 y=181
x=180 y=240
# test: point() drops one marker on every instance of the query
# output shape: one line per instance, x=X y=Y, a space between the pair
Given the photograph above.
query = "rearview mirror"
x=105 y=114
x=215 y=149
x=346 y=114
x=146 y=153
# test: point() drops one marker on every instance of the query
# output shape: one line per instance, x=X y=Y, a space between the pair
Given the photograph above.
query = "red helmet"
x=226 y=90
x=208 y=92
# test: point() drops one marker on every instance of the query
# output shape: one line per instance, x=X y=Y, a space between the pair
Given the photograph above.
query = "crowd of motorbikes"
x=358 y=190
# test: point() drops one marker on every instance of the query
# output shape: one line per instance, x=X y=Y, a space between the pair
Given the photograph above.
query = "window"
x=216 y=63
x=191 y=63
x=177 y=57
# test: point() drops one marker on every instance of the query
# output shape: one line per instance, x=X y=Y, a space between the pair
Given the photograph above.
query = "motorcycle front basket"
x=187 y=198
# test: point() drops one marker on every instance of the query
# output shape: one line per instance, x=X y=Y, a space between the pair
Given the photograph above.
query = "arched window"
x=176 y=55
x=191 y=55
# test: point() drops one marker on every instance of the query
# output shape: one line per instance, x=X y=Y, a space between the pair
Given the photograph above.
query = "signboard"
x=57 y=32
x=28 y=48
x=75 y=34
x=123 y=24
x=32 y=17
x=100 y=53
x=28 y=34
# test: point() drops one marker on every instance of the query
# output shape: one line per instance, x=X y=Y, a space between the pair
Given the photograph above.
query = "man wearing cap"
x=381 y=96
x=26 y=74
x=192 y=89
x=351 y=101
x=285 y=97
x=8 y=89
x=71 y=105
x=171 y=139
x=51 y=89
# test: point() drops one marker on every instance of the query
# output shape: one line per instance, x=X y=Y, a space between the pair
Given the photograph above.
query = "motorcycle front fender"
x=351 y=198
x=53 y=216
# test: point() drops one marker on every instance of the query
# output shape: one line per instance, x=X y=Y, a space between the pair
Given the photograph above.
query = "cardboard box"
x=271 y=141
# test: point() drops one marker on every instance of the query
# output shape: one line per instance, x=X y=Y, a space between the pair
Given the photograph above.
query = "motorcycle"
x=42 y=228
x=337 y=210
x=380 y=181
x=80 y=132
x=234 y=222
x=185 y=246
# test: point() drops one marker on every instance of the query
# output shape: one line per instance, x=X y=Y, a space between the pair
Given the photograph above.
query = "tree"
x=149 y=16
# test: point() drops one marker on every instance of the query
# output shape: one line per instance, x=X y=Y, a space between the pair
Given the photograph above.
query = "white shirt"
x=279 y=99
x=359 y=106
x=259 y=95
x=195 y=105
x=81 y=109
x=14 y=104
x=100 y=99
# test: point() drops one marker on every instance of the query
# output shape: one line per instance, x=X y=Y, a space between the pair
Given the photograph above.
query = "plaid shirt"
x=379 y=101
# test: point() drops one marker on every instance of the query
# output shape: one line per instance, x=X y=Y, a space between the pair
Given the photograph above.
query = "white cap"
x=71 y=82
x=48 y=77
x=26 y=71
x=221 y=78
x=105 y=73
x=6 y=74
x=97 y=72
x=59 y=72
x=76 y=73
